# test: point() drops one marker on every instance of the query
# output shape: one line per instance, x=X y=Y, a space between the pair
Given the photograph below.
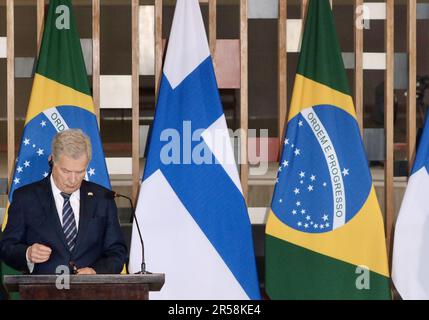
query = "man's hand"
x=86 y=271
x=38 y=253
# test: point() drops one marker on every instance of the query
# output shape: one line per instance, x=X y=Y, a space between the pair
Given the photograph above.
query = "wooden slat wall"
x=282 y=81
x=388 y=121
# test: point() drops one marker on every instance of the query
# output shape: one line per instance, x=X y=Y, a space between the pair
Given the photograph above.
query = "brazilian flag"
x=60 y=99
x=324 y=235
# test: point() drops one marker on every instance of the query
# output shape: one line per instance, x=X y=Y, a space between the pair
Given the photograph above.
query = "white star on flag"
x=302 y=174
x=45 y=174
x=16 y=180
x=298 y=203
x=286 y=141
x=297 y=152
x=91 y=171
x=26 y=141
x=285 y=163
x=296 y=191
x=310 y=188
x=27 y=164
x=313 y=177
x=43 y=123
x=345 y=172
x=325 y=217
x=19 y=169
x=40 y=152
x=300 y=123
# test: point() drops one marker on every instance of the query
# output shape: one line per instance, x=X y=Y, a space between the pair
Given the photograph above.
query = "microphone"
x=112 y=194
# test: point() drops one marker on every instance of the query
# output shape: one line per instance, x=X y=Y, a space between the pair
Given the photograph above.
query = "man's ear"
x=50 y=161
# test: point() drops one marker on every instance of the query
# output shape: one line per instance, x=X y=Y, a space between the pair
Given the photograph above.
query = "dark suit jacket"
x=33 y=218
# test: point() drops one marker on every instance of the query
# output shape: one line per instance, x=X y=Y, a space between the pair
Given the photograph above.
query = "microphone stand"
x=133 y=216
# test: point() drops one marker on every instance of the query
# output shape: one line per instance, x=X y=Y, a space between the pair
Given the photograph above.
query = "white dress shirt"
x=59 y=202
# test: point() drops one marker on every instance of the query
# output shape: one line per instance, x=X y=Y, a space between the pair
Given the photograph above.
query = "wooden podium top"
x=154 y=281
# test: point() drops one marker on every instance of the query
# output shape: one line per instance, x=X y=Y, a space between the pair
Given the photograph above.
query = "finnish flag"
x=191 y=208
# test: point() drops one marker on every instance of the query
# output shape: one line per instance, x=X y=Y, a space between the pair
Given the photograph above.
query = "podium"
x=85 y=287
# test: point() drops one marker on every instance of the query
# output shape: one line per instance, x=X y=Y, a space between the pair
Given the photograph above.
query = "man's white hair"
x=73 y=143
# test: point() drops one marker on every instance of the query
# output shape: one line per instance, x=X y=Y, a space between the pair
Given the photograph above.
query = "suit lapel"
x=48 y=203
x=87 y=207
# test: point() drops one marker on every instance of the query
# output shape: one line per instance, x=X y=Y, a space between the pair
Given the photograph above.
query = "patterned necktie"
x=69 y=222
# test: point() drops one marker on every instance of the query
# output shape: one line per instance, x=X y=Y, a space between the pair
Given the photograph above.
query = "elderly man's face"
x=68 y=173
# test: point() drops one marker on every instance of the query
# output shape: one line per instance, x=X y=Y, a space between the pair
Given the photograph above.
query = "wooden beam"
x=304 y=4
x=135 y=97
x=244 y=116
x=212 y=28
x=358 y=85
x=10 y=34
x=388 y=122
x=40 y=22
x=96 y=57
x=282 y=73
x=412 y=75
x=158 y=45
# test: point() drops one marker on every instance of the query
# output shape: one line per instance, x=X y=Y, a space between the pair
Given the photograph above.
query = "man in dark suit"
x=64 y=220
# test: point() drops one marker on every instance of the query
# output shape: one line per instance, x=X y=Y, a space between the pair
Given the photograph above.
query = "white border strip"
x=258 y=215
x=24 y=67
x=376 y=10
x=371 y=60
x=119 y=165
x=263 y=9
x=293 y=35
x=422 y=11
x=3 y=47
x=115 y=92
x=374 y=61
